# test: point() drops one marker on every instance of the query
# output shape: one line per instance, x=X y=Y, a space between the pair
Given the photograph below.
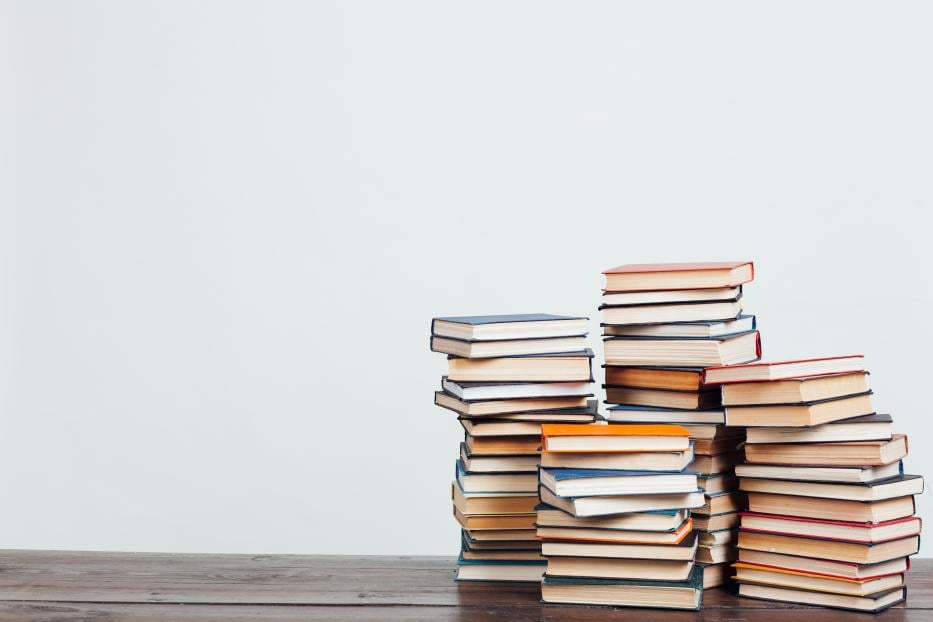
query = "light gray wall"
x=226 y=225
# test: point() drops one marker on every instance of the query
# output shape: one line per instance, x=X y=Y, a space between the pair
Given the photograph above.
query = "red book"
x=832 y=530
x=784 y=370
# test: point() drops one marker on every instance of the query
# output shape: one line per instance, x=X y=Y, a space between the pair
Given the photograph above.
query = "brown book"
x=796 y=415
x=855 y=454
x=667 y=276
x=722 y=503
x=716 y=522
x=662 y=398
x=831 y=509
x=545 y=368
x=716 y=446
x=842 y=570
x=475 y=503
x=675 y=379
x=796 y=390
x=496 y=407
x=480 y=522
x=899 y=486
x=836 y=550
x=503 y=445
x=713 y=464
x=619 y=568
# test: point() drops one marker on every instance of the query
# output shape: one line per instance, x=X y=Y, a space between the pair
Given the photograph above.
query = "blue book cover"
x=561 y=474
x=475 y=320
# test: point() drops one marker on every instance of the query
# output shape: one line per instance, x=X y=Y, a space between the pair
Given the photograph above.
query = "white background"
x=226 y=226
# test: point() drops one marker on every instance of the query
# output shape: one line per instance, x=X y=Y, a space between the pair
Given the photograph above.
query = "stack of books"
x=615 y=516
x=831 y=517
x=507 y=375
x=663 y=324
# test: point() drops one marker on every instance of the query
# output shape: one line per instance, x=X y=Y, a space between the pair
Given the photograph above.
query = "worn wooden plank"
x=148 y=612
x=82 y=577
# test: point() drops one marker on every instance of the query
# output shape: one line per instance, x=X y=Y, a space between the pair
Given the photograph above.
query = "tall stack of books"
x=830 y=517
x=507 y=375
x=614 y=519
x=663 y=323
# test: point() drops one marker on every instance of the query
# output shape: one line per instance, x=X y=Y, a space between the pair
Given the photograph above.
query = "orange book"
x=668 y=276
x=613 y=438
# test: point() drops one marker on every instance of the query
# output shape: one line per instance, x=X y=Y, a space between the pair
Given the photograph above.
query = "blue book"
x=657 y=594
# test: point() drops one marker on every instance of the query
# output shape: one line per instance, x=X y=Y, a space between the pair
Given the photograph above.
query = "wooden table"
x=52 y=586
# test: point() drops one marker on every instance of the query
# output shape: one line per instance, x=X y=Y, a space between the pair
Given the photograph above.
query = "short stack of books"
x=662 y=324
x=507 y=375
x=831 y=517
x=614 y=520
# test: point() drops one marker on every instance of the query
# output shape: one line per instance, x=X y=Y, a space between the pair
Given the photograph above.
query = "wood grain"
x=71 y=585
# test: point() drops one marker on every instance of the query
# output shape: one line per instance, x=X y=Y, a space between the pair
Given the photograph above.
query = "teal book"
x=625 y=592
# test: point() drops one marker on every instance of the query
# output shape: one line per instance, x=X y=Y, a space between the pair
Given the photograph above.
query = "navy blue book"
x=625 y=592
x=604 y=482
x=684 y=330
x=506 y=327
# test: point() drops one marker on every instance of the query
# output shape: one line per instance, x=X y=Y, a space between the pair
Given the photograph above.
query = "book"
x=713 y=431
x=784 y=370
x=820 y=474
x=500 y=427
x=831 y=509
x=832 y=530
x=836 y=550
x=515 y=347
x=661 y=398
x=476 y=503
x=855 y=454
x=716 y=446
x=570 y=367
x=585 y=414
x=501 y=555
x=703 y=329
x=611 y=438
x=482 y=391
x=731 y=350
x=818 y=583
x=716 y=522
x=717 y=554
x=715 y=575
x=674 y=378
x=620 y=568
x=803 y=414
x=503 y=445
x=628 y=413
x=897 y=486
x=620 y=461
x=717 y=538
x=825 y=567
x=497 y=464
x=796 y=390
x=530 y=571
x=867 y=428
x=624 y=592
x=494 y=522
x=498 y=539
x=721 y=503
x=667 y=313
x=617 y=536
x=671 y=296
x=668 y=520
x=873 y=604
x=602 y=506
x=719 y=483
x=704 y=464
x=496 y=407
x=495 y=482
x=603 y=482
x=667 y=276
x=502 y=327
x=682 y=551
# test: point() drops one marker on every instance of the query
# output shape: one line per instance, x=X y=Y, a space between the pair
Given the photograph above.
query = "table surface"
x=68 y=586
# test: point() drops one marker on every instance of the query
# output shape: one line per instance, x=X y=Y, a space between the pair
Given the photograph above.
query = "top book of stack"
x=674 y=276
